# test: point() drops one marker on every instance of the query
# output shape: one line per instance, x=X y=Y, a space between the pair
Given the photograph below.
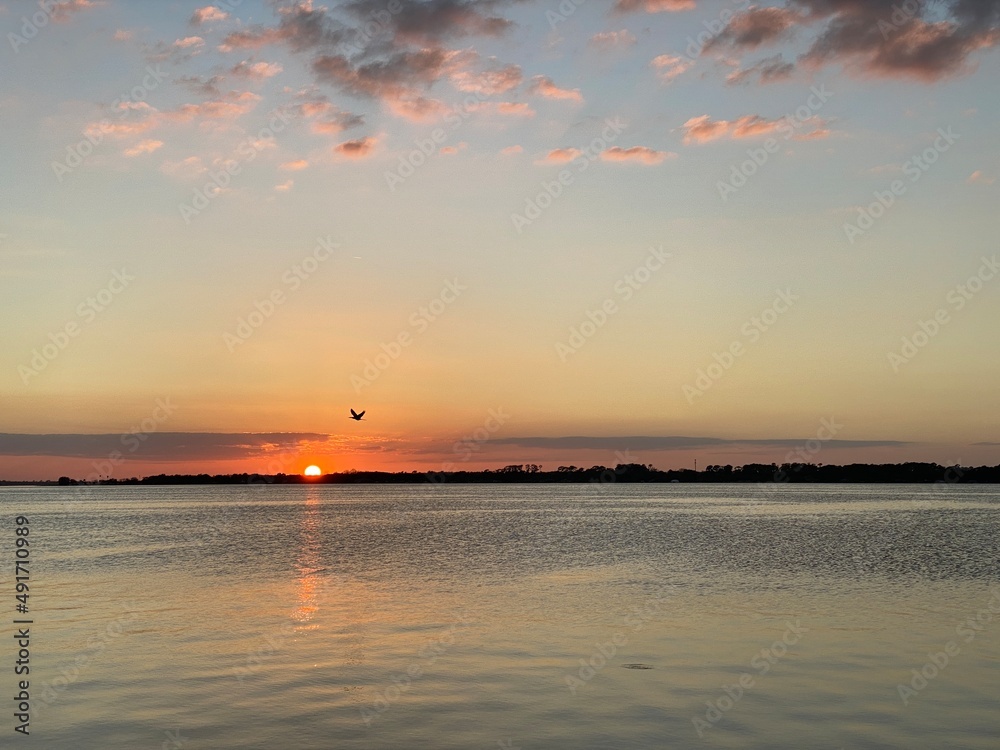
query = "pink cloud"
x=189 y=41
x=122 y=129
x=190 y=167
x=416 y=108
x=608 y=40
x=544 y=86
x=751 y=126
x=510 y=109
x=489 y=82
x=143 y=147
x=285 y=186
x=452 y=150
x=515 y=109
x=122 y=35
x=640 y=154
x=560 y=156
x=208 y=14
x=979 y=177
x=231 y=106
x=814 y=135
x=259 y=70
x=359 y=148
x=653 y=6
x=62 y=11
x=511 y=150
x=251 y=39
x=334 y=120
x=294 y=166
x=703 y=129
x=668 y=67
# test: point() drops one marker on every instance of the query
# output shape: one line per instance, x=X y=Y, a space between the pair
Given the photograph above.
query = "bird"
x=355 y=415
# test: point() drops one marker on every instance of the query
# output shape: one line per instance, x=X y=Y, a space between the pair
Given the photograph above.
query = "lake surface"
x=555 y=617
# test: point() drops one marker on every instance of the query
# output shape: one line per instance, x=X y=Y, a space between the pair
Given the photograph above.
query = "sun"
x=313 y=471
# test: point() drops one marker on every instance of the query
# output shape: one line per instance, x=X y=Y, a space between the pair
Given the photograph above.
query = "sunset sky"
x=513 y=232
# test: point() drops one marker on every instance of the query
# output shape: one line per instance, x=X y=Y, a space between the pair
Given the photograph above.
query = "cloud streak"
x=640 y=154
x=160 y=446
x=674 y=442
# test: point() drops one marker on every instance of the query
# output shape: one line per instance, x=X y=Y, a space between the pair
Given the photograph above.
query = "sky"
x=576 y=233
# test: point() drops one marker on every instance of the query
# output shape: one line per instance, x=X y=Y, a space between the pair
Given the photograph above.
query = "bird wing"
x=354 y=414
x=361 y=415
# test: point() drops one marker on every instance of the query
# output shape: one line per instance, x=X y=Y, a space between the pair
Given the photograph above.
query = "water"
x=509 y=616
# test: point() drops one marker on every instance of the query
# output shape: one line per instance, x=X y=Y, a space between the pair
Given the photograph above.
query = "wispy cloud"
x=671 y=442
x=610 y=40
x=544 y=86
x=560 y=156
x=769 y=70
x=62 y=11
x=160 y=446
x=653 y=6
x=703 y=129
x=143 y=147
x=640 y=154
x=668 y=67
x=257 y=70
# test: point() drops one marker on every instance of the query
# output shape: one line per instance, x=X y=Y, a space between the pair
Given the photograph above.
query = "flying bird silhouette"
x=355 y=415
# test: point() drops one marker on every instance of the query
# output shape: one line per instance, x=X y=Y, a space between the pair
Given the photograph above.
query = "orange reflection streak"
x=308 y=563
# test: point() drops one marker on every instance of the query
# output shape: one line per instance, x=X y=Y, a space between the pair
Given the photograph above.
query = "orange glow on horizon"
x=313 y=471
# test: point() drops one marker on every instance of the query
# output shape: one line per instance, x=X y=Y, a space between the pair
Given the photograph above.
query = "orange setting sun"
x=313 y=471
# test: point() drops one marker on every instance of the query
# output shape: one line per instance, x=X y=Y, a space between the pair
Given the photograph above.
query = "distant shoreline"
x=905 y=473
